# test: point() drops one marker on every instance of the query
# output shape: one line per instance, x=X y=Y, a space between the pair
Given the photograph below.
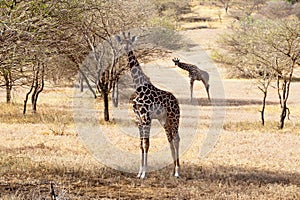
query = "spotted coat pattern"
x=150 y=103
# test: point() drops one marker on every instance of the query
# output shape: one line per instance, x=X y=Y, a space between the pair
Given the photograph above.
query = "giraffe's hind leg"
x=174 y=145
x=174 y=139
x=207 y=88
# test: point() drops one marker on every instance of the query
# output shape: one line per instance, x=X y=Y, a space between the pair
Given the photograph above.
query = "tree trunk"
x=81 y=83
x=26 y=97
x=103 y=87
x=285 y=94
x=283 y=116
x=87 y=82
x=8 y=86
x=264 y=88
x=41 y=87
x=8 y=93
x=37 y=86
x=226 y=7
x=278 y=91
x=35 y=89
x=263 y=108
x=115 y=94
x=106 y=111
x=25 y=101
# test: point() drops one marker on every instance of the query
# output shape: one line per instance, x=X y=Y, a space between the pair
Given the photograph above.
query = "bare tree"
x=103 y=67
x=27 y=34
x=266 y=50
x=276 y=10
x=11 y=36
x=287 y=58
x=225 y=4
x=63 y=34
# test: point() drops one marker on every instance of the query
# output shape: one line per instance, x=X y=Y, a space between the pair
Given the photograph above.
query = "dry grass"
x=21 y=178
x=32 y=157
x=269 y=127
x=12 y=113
x=205 y=17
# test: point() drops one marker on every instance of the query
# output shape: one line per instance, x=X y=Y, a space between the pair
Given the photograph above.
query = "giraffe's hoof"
x=139 y=175
x=177 y=175
x=143 y=175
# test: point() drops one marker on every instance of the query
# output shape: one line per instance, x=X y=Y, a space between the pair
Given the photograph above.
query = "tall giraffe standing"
x=152 y=103
x=195 y=74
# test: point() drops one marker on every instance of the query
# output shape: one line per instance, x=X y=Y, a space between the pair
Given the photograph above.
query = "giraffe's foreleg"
x=144 y=146
x=207 y=90
x=141 y=159
x=191 y=87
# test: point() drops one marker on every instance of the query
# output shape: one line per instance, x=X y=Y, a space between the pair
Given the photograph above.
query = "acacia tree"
x=12 y=35
x=87 y=40
x=239 y=9
x=103 y=68
x=266 y=50
x=226 y=4
x=287 y=57
x=246 y=54
x=28 y=33
x=36 y=32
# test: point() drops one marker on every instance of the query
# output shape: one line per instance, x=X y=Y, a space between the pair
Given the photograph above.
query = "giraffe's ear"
x=118 y=38
x=133 y=39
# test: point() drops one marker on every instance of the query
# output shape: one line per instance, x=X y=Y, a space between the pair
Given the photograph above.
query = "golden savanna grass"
x=249 y=161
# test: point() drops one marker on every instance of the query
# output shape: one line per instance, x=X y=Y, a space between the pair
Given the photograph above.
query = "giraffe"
x=150 y=103
x=195 y=74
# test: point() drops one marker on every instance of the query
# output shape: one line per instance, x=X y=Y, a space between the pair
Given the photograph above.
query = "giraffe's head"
x=126 y=41
x=176 y=61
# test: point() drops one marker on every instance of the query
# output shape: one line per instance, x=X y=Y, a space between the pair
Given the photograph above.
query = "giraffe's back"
x=158 y=104
x=198 y=74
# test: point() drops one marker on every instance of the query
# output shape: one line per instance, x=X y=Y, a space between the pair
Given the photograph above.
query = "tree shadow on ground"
x=222 y=102
x=104 y=182
x=239 y=175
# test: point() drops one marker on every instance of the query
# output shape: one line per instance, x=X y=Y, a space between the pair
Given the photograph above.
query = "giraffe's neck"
x=138 y=76
x=184 y=66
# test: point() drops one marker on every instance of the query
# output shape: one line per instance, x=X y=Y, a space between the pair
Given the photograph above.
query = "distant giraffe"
x=195 y=74
x=150 y=103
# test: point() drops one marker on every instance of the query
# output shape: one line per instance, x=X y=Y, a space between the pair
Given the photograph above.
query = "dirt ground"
x=226 y=153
